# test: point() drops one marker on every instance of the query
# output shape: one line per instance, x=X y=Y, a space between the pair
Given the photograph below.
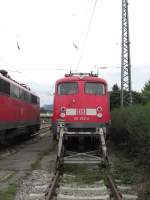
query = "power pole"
x=126 y=93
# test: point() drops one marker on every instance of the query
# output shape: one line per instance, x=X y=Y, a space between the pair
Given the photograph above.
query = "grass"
x=125 y=169
x=129 y=171
x=34 y=165
x=9 y=193
x=84 y=174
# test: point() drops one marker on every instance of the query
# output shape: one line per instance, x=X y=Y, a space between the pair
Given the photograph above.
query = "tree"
x=137 y=98
x=42 y=110
x=146 y=92
x=115 y=97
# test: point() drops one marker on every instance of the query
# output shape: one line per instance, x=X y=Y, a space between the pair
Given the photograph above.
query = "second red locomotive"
x=19 y=109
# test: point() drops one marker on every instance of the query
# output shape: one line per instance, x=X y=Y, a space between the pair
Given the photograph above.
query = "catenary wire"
x=86 y=35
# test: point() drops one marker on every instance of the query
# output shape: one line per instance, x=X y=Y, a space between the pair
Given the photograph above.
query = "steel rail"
x=41 y=130
x=49 y=194
x=116 y=193
x=45 y=127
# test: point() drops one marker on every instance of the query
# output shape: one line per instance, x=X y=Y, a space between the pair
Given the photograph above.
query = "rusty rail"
x=45 y=127
x=52 y=186
x=113 y=188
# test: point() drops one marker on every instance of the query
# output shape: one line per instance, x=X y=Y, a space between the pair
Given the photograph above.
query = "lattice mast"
x=126 y=93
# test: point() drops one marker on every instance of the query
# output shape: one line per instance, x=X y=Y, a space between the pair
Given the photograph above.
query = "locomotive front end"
x=82 y=103
x=81 y=118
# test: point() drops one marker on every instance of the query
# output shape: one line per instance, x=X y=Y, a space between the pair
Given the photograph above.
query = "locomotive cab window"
x=67 y=88
x=95 y=88
x=26 y=96
x=34 y=99
x=4 y=87
x=15 y=91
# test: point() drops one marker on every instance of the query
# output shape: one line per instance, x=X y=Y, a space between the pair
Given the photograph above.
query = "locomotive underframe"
x=11 y=130
x=81 y=127
x=18 y=124
x=97 y=155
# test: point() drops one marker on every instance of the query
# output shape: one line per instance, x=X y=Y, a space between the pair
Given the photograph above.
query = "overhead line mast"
x=126 y=92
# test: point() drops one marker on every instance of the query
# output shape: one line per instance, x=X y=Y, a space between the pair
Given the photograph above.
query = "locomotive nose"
x=72 y=102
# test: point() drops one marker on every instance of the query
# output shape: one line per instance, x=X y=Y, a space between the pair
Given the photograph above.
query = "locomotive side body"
x=19 y=109
x=82 y=102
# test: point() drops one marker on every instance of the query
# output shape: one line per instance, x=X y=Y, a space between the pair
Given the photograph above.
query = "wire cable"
x=86 y=35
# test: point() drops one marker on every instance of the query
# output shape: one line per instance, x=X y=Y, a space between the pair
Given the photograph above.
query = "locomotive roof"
x=11 y=81
x=79 y=78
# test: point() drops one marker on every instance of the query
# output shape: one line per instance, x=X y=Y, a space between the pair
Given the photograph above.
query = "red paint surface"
x=14 y=110
x=81 y=101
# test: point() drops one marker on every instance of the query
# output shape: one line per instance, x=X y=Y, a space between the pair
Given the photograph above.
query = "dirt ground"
x=39 y=152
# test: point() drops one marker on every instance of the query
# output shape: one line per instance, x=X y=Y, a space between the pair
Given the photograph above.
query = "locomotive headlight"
x=62 y=115
x=62 y=109
x=99 y=115
x=99 y=109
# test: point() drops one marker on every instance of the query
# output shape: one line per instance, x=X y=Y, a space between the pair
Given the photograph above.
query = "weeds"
x=131 y=132
x=9 y=193
x=84 y=174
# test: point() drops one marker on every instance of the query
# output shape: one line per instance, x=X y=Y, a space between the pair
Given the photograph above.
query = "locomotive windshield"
x=67 y=88
x=95 y=88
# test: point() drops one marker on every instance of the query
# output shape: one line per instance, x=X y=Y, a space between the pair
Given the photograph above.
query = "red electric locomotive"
x=19 y=109
x=82 y=101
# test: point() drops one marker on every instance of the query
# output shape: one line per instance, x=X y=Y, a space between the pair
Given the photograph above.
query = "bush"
x=131 y=131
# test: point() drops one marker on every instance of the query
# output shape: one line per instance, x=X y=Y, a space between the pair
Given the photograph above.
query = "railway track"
x=21 y=143
x=64 y=184
x=41 y=131
x=42 y=185
x=104 y=189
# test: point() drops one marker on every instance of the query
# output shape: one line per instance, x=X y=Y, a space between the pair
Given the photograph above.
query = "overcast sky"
x=41 y=40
